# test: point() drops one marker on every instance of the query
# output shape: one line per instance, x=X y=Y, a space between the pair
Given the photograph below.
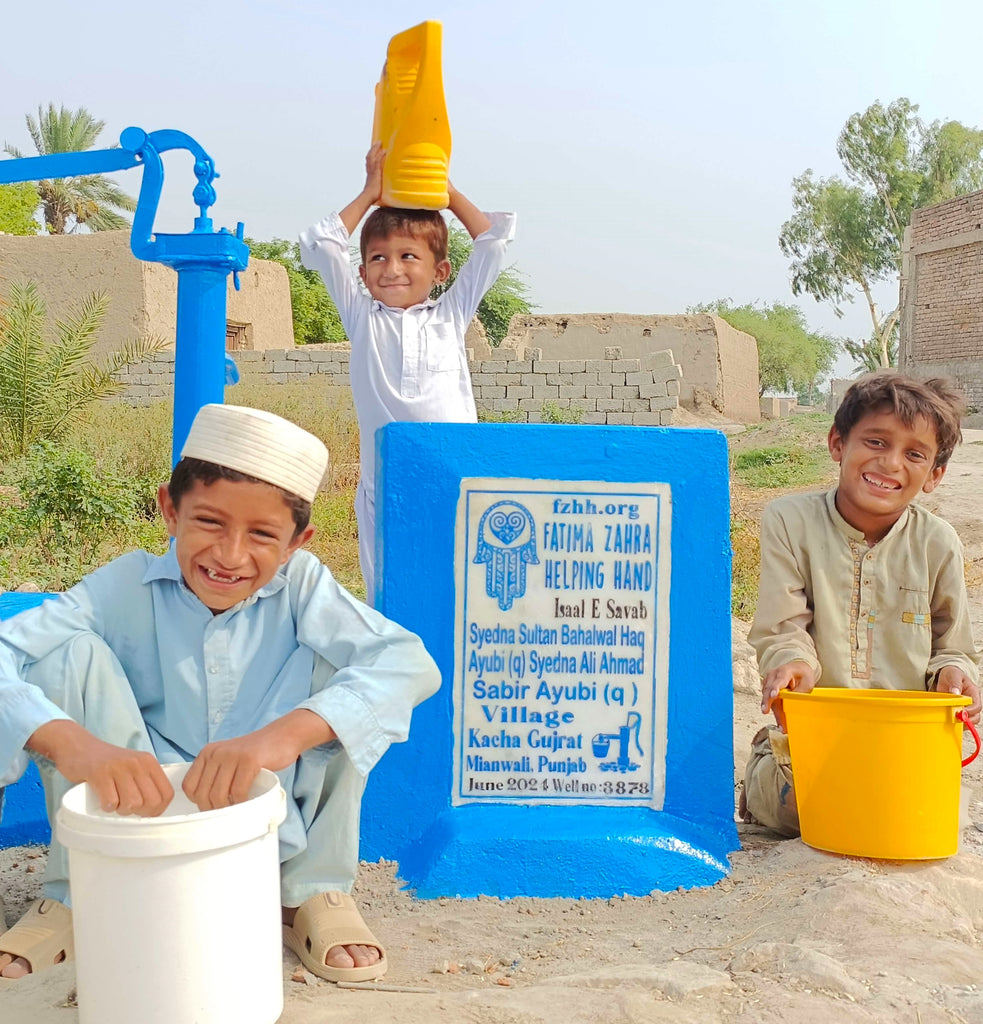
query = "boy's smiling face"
x=401 y=270
x=884 y=465
x=231 y=538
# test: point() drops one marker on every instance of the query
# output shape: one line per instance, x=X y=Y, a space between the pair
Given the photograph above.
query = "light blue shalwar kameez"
x=135 y=657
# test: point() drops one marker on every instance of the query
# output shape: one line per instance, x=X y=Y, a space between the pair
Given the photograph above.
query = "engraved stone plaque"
x=561 y=642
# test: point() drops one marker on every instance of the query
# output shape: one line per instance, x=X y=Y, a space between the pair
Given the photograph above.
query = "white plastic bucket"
x=177 y=918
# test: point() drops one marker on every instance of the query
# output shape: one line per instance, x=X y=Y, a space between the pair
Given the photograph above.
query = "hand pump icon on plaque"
x=601 y=744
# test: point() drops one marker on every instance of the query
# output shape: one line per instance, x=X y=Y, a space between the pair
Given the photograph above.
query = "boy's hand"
x=952 y=679
x=370 y=195
x=375 y=159
x=125 y=781
x=795 y=675
x=223 y=773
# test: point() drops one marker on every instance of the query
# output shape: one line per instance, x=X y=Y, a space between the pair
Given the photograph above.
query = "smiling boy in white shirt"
x=408 y=360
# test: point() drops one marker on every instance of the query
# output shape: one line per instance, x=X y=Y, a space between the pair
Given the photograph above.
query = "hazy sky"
x=648 y=148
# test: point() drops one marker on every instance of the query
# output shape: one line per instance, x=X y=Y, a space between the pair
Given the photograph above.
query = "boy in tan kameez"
x=860 y=587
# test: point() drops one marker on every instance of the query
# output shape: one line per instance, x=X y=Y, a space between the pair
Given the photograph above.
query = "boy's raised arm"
x=351 y=216
x=474 y=220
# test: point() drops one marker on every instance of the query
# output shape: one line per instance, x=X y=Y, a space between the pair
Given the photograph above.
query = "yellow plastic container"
x=411 y=121
x=877 y=772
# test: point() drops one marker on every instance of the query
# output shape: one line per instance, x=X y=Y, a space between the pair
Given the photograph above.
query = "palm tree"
x=89 y=199
x=46 y=382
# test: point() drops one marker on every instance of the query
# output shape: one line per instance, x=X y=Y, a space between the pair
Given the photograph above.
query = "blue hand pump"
x=202 y=258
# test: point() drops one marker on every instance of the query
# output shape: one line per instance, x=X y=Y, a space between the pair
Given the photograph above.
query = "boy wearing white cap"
x=236 y=651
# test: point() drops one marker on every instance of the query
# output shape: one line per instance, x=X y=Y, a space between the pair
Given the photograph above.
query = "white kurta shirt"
x=406 y=364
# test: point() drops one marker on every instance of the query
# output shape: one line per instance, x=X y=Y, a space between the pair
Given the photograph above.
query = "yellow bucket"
x=877 y=772
x=410 y=121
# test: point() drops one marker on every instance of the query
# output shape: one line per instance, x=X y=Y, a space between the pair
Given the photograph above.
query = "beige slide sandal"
x=43 y=937
x=326 y=920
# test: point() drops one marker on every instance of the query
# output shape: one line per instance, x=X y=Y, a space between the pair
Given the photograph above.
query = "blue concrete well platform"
x=573 y=585
x=23 y=819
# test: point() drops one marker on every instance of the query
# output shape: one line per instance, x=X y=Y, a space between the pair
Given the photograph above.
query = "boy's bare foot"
x=332 y=941
x=40 y=939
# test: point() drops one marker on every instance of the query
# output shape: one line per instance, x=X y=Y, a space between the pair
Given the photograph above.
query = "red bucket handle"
x=964 y=718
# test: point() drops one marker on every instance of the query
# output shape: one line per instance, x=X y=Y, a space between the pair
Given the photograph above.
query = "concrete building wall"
x=720 y=364
x=143 y=296
x=263 y=301
x=837 y=389
x=262 y=304
x=942 y=294
x=68 y=268
x=738 y=369
x=159 y=300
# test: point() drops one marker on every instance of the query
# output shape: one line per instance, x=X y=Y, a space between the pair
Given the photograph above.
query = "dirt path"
x=793 y=936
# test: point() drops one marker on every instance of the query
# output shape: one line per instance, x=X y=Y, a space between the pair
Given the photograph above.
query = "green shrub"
x=69 y=516
x=502 y=416
x=554 y=413
x=129 y=456
x=64 y=493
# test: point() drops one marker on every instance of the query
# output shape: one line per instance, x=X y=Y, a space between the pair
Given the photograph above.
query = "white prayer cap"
x=260 y=444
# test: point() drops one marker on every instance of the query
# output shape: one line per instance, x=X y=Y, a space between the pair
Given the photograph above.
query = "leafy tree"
x=89 y=199
x=46 y=382
x=790 y=356
x=506 y=297
x=315 y=315
x=17 y=205
x=848 y=235
x=867 y=354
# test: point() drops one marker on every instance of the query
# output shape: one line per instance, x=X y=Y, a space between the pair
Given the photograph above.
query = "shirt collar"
x=165 y=567
x=429 y=304
x=851 y=531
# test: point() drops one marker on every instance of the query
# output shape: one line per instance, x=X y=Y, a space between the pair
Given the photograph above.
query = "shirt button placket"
x=413 y=346
x=863 y=632
x=213 y=694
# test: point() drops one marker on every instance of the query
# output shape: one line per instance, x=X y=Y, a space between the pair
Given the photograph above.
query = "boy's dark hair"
x=427 y=225
x=188 y=471
x=890 y=391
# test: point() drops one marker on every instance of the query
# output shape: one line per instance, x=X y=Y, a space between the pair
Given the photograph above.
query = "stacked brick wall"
x=942 y=311
x=643 y=392
x=614 y=390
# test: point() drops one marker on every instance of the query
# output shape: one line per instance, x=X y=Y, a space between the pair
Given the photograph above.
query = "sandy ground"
x=792 y=935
